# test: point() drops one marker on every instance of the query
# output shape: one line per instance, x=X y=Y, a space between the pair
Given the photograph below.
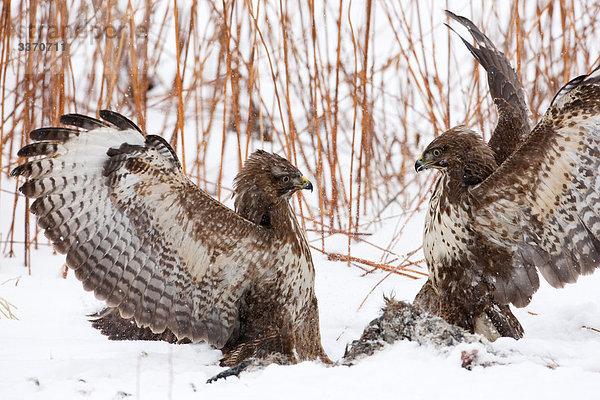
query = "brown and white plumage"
x=492 y=318
x=148 y=241
x=490 y=228
x=506 y=91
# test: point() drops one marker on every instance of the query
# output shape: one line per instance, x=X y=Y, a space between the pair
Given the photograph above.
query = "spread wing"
x=138 y=232
x=505 y=88
x=543 y=204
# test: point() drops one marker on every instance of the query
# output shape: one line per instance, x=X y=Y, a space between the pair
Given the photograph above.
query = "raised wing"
x=505 y=89
x=542 y=205
x=139 y=233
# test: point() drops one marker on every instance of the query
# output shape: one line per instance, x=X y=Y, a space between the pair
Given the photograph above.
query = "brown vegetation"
x=348 y=91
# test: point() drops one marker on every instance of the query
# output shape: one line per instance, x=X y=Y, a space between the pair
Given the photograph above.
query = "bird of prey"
x=154 y=246
x=527 y=201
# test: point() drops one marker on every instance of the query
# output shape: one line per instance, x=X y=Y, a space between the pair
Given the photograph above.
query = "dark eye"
x=436 y=152
x=285 y=179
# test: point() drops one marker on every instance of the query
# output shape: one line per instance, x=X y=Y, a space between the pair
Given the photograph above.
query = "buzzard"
x=525 y=202
x=149 y=242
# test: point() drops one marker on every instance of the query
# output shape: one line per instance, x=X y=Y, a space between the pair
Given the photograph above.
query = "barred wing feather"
x=547 y=195
x=138 y=232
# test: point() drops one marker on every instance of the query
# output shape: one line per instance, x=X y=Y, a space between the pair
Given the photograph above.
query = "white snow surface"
x=53 y=352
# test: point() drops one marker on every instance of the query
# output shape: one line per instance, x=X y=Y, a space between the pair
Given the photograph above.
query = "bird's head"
x=270 y=177
x=461 y=151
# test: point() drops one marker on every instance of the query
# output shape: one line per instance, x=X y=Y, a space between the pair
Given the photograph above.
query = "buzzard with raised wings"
x=524 y=203
x=149 y=242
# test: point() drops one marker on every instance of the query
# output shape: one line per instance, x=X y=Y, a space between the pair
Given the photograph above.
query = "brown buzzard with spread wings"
x=525 y=202
x=145 y=239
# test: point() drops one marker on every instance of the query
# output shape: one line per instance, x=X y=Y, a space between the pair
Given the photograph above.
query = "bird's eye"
x=436 y=152
x=285 y=179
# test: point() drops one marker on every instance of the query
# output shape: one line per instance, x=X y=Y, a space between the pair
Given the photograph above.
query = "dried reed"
x=349 y=91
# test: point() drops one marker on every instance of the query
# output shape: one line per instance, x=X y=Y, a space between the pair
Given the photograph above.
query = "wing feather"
x=505 y=88
x=139 y=233
x=118 y=120
x=82 y=121
x=548 y=193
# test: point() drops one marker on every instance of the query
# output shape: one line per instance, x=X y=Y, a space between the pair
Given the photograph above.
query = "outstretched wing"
x=139 y=233
x=543 y=204
x=505 y=89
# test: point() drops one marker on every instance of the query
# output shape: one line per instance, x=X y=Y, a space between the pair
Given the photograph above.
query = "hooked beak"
x=306 y=184
x=420 y=165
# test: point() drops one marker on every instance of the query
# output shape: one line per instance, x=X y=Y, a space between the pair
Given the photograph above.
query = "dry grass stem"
x=349 y=91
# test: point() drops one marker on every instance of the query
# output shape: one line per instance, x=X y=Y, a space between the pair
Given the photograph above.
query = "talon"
x=233 y=371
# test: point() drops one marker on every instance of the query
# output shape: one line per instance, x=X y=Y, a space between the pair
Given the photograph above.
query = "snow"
x=52 y=351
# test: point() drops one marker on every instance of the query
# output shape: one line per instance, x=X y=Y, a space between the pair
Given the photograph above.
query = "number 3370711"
x=42 y=46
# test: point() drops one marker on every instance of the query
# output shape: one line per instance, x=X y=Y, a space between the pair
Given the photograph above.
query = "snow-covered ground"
x=52 y=351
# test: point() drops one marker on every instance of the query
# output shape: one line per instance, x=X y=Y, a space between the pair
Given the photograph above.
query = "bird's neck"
x=468 y=173
x=282 y=218
x=286 y=228
x=258 y=207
